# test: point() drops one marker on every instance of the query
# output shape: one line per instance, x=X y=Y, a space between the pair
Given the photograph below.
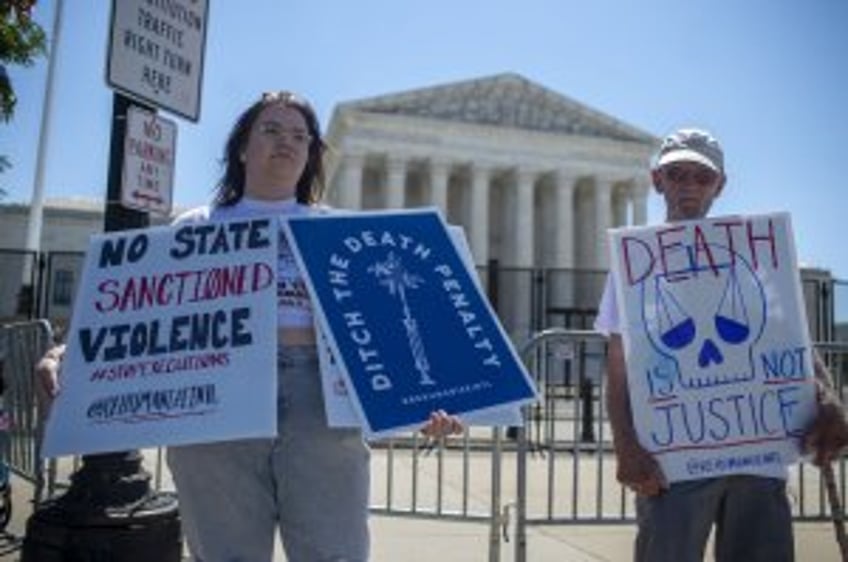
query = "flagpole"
x=36 y=207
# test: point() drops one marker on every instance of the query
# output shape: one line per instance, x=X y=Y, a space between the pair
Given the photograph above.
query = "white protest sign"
x=147 y=180
x=718 y=356
x=172 y=340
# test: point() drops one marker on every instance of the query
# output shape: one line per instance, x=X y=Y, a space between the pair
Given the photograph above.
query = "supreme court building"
x=533 y=177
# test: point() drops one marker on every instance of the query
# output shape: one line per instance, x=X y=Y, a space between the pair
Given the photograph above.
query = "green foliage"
x=22 y=41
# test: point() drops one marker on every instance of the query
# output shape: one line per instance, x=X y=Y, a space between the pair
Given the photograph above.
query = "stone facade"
x=534 y=177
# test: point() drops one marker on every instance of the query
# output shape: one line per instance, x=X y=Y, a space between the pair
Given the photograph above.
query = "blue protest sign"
x=404 y=317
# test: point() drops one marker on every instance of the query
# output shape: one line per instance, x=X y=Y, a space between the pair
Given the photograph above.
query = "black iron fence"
x=558 y=470
x=43 y=285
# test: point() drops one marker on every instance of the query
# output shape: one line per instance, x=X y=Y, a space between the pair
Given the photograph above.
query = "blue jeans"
x=311 y=483
x=751 y=514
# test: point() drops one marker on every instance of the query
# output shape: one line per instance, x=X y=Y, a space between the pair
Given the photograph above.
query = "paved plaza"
x=399 y=478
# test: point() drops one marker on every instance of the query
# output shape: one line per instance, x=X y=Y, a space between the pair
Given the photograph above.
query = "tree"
x=21 y=42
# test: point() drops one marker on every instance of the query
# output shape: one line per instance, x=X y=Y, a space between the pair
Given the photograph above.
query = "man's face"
x=689 y=189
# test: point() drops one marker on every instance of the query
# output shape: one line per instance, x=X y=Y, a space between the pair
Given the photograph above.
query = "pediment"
x=504 y=100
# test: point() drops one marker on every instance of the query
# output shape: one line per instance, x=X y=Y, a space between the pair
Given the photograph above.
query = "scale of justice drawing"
x=718 y=354
x=405 y=322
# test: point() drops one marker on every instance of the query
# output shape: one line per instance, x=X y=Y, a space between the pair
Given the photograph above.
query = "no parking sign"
x=147 y=180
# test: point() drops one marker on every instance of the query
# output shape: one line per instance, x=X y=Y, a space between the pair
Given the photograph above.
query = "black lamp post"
x=109 y=513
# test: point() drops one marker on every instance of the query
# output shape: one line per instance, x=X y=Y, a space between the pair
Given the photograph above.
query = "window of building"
x=63 y=287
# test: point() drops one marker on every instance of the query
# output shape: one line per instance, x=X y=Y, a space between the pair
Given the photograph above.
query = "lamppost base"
x=109 y=514
x=147 y=532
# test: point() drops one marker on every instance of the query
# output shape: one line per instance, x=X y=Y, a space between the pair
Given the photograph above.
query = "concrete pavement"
x=406 y=539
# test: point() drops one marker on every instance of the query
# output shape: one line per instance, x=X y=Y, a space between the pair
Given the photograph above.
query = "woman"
x=311 y=481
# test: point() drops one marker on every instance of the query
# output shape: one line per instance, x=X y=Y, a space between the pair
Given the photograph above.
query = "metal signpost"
x=155 y=59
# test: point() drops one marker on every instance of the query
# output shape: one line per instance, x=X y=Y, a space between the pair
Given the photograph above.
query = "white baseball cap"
x=691 y=145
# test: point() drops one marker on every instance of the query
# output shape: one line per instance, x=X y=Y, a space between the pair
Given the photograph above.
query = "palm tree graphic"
x=392 y=275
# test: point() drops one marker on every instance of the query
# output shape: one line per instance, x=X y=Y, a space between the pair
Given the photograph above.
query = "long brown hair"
x=310 y=186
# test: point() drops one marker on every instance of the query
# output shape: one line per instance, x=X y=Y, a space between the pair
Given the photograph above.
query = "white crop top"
x=294 y=308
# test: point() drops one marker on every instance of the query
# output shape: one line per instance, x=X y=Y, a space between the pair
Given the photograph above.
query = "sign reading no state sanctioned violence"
x=405 y=320
x=172 y=340
x=718 y=355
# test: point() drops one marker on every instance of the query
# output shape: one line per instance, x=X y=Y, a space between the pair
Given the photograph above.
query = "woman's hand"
x=47 y=377
x=441 y=425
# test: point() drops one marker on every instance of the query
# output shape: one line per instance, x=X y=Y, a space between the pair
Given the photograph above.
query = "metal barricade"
x=26 y=343
x=565 y=466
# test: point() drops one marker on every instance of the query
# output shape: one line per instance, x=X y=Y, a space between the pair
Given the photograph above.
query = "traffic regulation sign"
x=147 y=179
x=156 y=52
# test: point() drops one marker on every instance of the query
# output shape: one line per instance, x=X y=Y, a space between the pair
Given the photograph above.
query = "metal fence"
x=42 y=285
x=565 y=465
x=25 y=343
x=557 y=470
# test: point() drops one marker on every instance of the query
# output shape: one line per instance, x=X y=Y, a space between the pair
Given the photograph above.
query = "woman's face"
x=276 y=153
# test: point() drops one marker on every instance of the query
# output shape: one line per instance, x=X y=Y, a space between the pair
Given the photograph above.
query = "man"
x=751 y=513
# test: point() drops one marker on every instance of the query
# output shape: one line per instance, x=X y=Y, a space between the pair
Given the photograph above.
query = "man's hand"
x=638 y=470
x=828 y=434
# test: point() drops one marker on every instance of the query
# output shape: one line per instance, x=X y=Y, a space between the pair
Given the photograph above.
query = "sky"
x=768 y=77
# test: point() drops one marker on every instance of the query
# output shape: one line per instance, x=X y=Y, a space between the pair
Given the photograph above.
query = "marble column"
x=479 y=234
x=564 y=244
x=439 y=177
x=350 y=184
x=639 y=193
x=394 y=195
x=620 y=201
x=525 y=251
x=603 y=221
x=561 y=284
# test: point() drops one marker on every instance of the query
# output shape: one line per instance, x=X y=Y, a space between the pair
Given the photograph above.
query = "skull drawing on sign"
x=705 y=319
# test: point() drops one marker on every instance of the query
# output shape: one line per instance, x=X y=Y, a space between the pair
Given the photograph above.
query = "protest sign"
x=172 y=340
x=337 y=402
x=404 y=318
x=718 y=354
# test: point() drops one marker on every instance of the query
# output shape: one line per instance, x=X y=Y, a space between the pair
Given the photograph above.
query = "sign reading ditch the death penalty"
x=172 y=340
x=408 y=325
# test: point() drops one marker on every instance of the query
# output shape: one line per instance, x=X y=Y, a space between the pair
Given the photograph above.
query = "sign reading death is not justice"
x=718 y=354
